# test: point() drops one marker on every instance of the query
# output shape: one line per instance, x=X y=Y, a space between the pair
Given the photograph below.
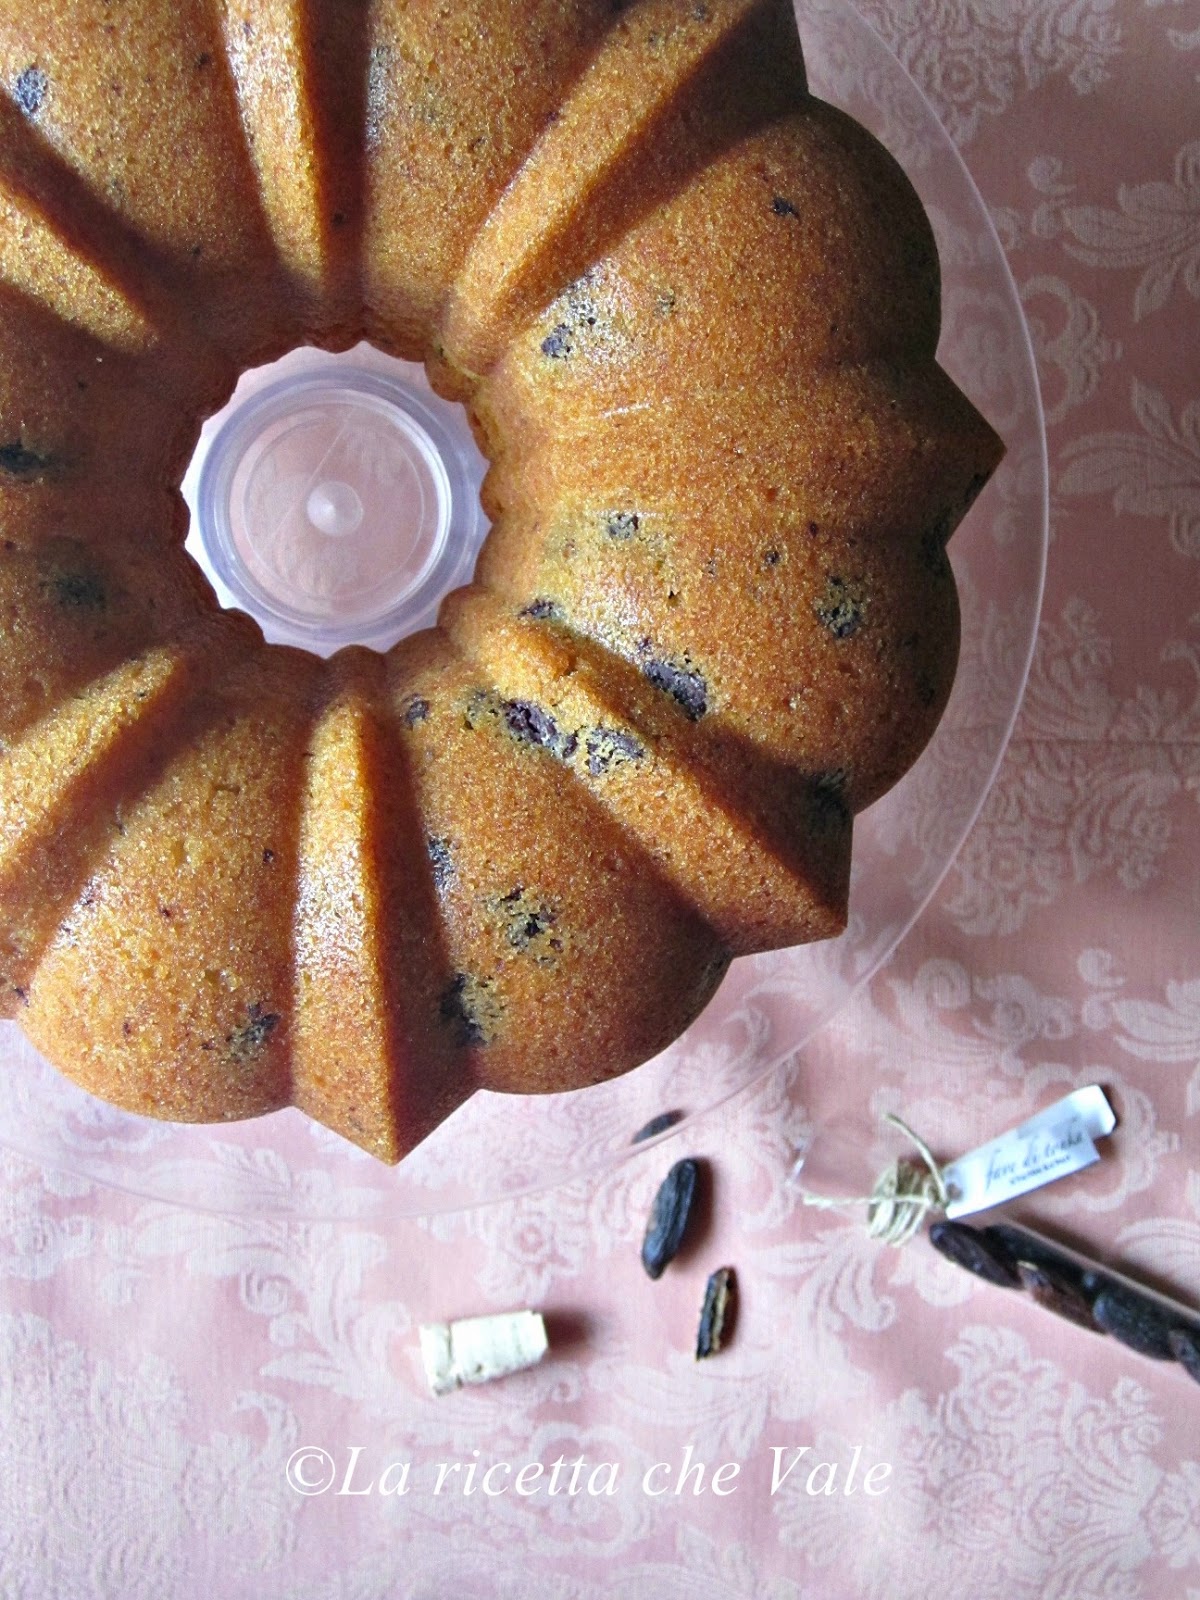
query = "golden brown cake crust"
x=692 y=313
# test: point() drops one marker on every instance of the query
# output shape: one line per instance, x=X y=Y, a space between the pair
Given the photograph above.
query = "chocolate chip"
x=622 y=524
x=268 y=856
x=453 y=1009
x=247 y=1040
x=29 y=91
x=607 y=748
x=22 y=463
x=578 y=313
x=542 y=610
x=533 y=724
x=771 y=558
x=558 y=344
x=414 y=710
x=685 y=685
x=530 y=926
x=840 y=608
x=717 y=1313
x=968 y=1247
x=79 y=591
x=470 y=1009
x=481 y=708
x=440 y=859
x=669 y=1216
x=783 y=208
x=527 y=921
x=530 y=722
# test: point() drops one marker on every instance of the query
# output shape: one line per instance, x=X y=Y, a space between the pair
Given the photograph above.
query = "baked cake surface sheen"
x=692 y=312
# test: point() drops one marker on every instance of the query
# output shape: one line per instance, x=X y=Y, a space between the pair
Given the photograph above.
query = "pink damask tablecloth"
x=159 y=1368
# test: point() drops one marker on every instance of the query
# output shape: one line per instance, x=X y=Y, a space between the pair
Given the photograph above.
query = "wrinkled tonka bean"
x=657 y=1125
x=1054 y=1293
x=967 y=1247
x=669 y=1216
x=1135 y=1320
x=716 y=1314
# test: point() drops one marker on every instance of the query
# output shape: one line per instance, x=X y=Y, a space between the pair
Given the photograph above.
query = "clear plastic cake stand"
x=335 y=498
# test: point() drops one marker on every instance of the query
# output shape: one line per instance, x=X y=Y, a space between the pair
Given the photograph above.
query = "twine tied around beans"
x=905 y=1193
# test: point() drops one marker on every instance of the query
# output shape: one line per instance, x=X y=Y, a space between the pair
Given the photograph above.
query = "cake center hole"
x=334 y=508
x=336 y=499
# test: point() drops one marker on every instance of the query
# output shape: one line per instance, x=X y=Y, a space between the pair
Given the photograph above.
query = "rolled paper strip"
x=478 y=1349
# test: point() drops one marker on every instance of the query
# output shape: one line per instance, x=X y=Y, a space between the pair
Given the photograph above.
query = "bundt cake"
x=692 y=314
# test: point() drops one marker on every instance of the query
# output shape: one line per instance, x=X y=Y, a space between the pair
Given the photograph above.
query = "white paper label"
x=1055 y=1142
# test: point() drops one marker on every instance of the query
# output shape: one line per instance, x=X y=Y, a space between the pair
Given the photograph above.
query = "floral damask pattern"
x=1066 y=335
x=159 y=1367
x=1079 y=1517
x=1166 y=1031
x=104 y=1480
x=1094 y=782
x=974 y=60
x=1154 y=473
x=1156 y=226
